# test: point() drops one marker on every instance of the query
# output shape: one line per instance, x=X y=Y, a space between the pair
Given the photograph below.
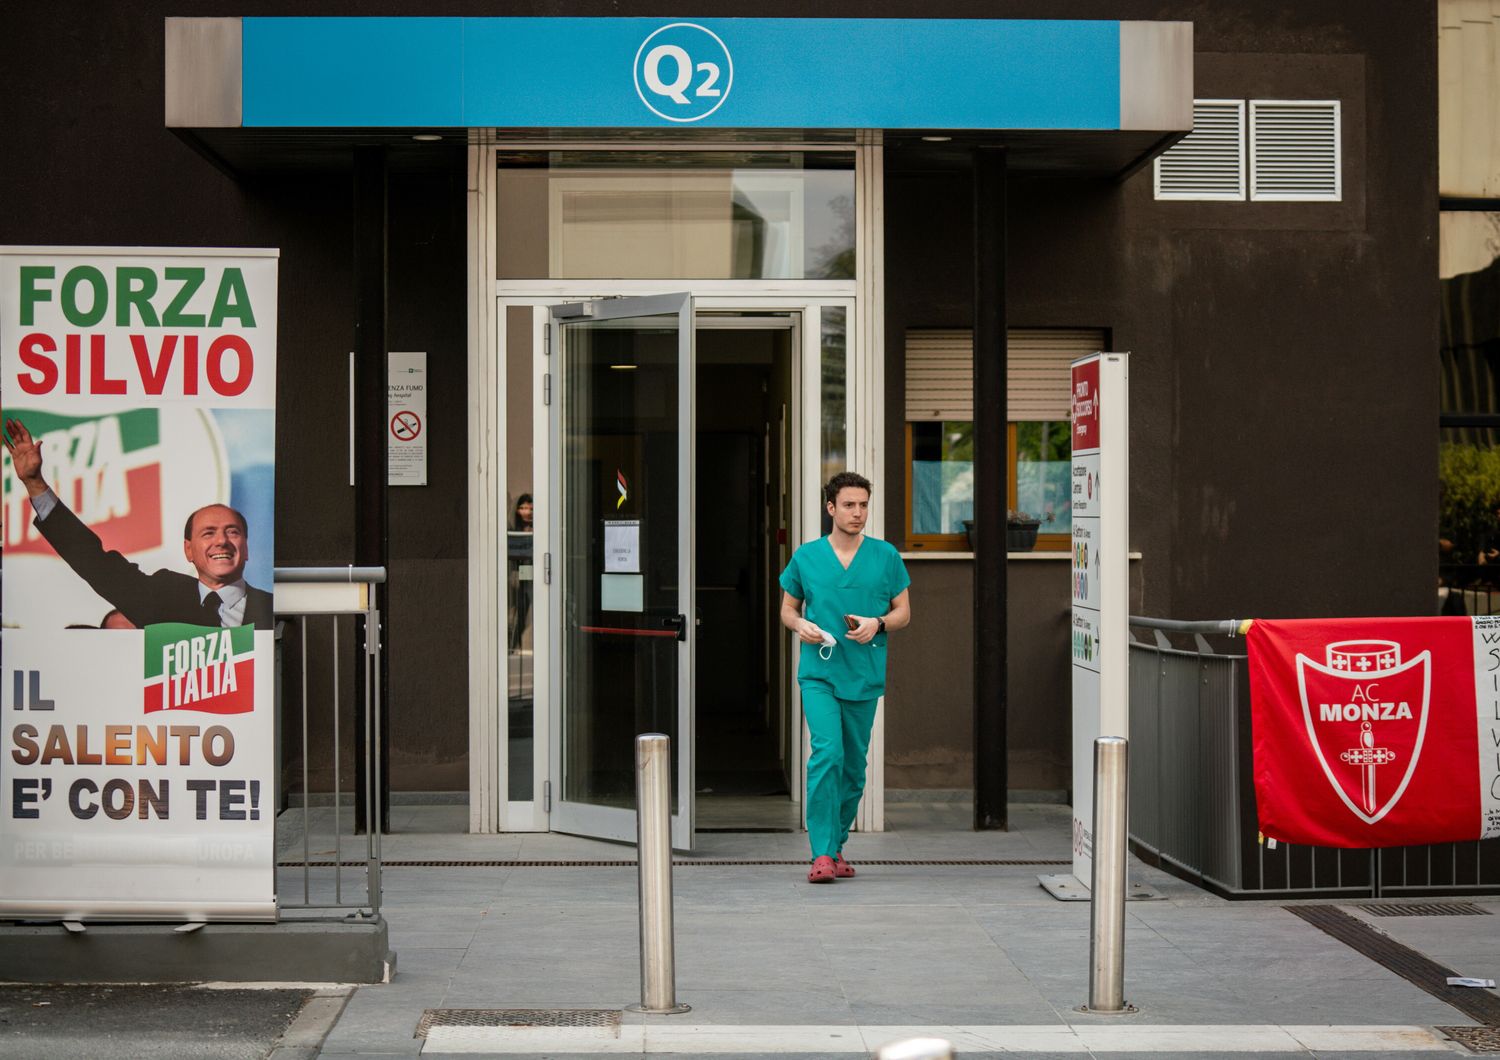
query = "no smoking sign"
x=406 y=425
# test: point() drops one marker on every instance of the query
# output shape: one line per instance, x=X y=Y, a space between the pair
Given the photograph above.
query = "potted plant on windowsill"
x=1020 y=532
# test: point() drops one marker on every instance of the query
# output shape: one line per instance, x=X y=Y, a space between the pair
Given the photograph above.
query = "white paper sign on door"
x=622 y=546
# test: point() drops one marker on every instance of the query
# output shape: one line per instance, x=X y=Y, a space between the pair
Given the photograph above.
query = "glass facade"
x=519 y=556
x=1043 y=469
x=1468 y=456
x=619 y=584
x=942 y=477
x=834 y=348
x=675 y=215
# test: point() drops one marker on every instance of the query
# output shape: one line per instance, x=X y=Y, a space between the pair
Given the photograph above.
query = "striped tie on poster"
x=1376 y=732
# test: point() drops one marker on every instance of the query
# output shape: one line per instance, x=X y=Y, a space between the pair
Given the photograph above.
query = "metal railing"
x=1468 y=589
x=1192 y=794
x=328 y=634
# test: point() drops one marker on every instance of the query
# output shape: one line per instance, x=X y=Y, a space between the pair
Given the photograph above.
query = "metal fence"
x=328 y=741
x=1192 y=794
x=1468 y=589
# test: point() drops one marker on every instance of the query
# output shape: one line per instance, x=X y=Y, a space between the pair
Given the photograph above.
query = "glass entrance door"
x=620 y=390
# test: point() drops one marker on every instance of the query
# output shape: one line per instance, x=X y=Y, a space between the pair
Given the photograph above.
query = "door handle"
x=678 y=623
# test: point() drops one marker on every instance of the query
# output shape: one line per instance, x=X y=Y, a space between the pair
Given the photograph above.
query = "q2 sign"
x=683 y=72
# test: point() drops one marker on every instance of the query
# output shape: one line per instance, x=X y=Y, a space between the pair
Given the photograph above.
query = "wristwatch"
x=882 y=625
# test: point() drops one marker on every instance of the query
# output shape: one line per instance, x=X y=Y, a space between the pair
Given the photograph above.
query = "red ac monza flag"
x=1376 y=732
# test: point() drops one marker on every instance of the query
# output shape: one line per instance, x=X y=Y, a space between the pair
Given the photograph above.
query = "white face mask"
x=827 y=646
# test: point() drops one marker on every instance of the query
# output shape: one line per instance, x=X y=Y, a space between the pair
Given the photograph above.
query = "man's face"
x=850 y=509
x=216 y=548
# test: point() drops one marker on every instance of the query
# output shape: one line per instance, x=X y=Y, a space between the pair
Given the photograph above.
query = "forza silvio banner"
x=136 y=657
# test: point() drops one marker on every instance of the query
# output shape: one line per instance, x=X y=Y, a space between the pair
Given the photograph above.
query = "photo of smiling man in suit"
x=215 y=541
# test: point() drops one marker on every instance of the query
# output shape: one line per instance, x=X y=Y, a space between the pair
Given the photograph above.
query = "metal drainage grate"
x=623 y=864
x=1482 y=1040
x=1423 y=909
x=517 y=1017
x=1416 y=968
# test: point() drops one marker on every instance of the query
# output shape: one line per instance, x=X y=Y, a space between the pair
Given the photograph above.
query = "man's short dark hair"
x=845 y=480
x=187 y=527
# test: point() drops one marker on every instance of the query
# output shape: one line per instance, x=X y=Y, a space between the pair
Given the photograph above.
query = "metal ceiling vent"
x=1209 y=162
x=1294 y=150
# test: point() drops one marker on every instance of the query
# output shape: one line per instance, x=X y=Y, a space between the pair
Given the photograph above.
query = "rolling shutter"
x=1209 y=162
x=1294 y=150
x=940 y=375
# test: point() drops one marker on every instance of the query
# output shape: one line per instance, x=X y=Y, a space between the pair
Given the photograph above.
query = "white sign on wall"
x=406 y=419
x=1100 y=577
x=406 y=448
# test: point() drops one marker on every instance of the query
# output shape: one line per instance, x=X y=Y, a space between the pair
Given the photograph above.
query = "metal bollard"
x=1107 y=912
x=917 y=1049
x=653 y=852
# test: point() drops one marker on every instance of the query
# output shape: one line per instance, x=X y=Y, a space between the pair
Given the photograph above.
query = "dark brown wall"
x=1283 y=383
x=930 y=694
x=1284 y=399
x=89 y=162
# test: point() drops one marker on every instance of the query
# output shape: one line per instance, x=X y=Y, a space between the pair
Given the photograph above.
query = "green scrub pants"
x=840 y=731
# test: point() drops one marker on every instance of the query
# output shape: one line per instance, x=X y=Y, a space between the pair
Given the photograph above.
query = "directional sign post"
x=1100 y=587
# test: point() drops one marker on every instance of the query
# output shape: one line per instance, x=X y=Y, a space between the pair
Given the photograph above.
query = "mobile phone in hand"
x=851 y=622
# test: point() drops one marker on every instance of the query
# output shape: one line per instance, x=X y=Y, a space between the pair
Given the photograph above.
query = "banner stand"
x=139 y=490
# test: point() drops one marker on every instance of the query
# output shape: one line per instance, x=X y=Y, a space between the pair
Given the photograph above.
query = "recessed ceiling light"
x=623 y=367
x=937 y=139
x=426 y=138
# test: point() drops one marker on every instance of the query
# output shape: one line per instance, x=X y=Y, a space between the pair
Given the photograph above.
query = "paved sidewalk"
x=773 y=966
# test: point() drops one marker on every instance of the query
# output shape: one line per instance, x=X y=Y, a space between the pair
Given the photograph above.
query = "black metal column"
x=991 y=470
x=371 y=388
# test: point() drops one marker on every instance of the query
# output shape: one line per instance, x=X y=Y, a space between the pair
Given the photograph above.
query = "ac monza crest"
x=1366 y=715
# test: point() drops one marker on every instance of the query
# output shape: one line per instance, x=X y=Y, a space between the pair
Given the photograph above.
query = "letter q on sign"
x=683 y=72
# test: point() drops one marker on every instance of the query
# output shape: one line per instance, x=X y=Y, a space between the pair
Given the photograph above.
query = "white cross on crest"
x=1368 y=757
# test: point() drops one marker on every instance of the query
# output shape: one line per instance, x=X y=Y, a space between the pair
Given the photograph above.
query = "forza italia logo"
x=106 y=469
x=197 y=668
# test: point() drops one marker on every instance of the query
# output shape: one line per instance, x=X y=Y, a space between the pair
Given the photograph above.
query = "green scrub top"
x=875 y=577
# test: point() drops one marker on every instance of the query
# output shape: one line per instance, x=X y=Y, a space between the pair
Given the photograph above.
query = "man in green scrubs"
x=843 y=594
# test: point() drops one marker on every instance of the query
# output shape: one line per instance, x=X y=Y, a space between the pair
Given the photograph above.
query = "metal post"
x=1107 y=914
x=916 y=1049
x=991 y=783
x=371 y=485
x=653 y=816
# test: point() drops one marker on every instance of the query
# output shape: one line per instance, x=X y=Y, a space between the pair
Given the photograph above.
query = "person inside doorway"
x=520 y=554
x=841 y=595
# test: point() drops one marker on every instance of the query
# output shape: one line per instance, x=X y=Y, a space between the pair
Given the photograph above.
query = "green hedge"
x=1469 y=493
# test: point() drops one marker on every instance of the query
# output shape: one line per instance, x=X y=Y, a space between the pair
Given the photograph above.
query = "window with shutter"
x=1209 y=162
x=1294 y=151
x=939 y=431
